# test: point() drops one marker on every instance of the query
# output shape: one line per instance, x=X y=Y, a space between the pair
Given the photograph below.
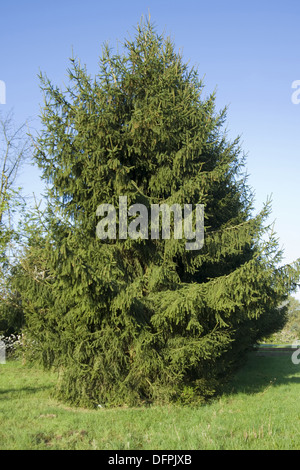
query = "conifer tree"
x=135 y=320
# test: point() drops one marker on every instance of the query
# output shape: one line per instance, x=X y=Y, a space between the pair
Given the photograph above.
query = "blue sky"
x=247 y=50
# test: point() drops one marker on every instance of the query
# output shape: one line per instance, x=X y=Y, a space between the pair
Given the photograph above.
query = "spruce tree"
x=129 y=321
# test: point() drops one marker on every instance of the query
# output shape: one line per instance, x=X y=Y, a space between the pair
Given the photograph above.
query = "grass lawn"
x=260 y=411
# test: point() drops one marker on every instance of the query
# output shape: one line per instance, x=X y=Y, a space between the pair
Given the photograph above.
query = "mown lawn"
x=260 y=411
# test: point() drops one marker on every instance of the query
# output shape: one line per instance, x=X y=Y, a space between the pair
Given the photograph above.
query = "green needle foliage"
x=144 y=320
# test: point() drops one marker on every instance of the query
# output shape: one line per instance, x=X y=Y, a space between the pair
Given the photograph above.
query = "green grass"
x=260 y=411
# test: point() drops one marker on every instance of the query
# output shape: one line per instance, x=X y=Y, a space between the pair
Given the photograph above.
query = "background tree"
x=134 y=320
x=293 y=316
x=290 y=332
x=14 y=152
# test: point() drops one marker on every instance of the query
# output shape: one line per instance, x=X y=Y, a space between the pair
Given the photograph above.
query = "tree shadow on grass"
x=24 y=390
x=260 y=371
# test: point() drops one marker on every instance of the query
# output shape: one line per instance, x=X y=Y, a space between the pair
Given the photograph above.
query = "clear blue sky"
x=247 y=50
